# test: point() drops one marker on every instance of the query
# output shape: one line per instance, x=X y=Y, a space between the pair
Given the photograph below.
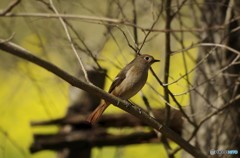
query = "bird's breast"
x=134 y=81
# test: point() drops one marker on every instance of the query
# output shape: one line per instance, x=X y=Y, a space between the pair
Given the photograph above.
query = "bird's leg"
x=129 y=103
x=139 y=108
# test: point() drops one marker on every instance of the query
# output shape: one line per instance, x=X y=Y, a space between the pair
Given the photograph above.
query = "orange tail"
x=97 y=113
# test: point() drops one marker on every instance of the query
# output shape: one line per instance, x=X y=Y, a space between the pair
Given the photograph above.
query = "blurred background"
x=197 y=42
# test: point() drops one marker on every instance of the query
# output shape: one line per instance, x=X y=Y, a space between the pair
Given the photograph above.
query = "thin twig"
x=71 y=42
x=10 y=7
x=174 y=99
x=111 y=21
x=17 y=50
x=167 y=57
x=135 y=31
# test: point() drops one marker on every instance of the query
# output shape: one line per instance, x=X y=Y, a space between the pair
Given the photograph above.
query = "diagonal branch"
x=71 y=42
x=136 y=111
x=10 y=7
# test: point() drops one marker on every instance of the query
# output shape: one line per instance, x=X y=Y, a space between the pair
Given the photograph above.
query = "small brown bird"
x=127 y=83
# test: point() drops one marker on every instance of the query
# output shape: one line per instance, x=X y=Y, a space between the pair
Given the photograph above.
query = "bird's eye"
x=146 y=58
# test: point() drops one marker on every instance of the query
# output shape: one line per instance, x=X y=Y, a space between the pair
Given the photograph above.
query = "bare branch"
x=71 y=42
x=136 y=111
x=111 y=21
x=10 y=7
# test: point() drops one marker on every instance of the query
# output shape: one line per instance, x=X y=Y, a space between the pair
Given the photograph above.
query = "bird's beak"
x=154 y=61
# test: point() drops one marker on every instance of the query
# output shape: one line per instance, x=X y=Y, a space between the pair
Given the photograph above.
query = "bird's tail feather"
x=97 y=113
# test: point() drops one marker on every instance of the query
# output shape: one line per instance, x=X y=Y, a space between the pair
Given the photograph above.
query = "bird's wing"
x=120 y=77
x=117 y=81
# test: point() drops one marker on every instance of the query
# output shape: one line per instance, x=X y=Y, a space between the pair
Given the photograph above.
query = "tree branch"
x=91 y=138
x=16 y=50
x=10 y=7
